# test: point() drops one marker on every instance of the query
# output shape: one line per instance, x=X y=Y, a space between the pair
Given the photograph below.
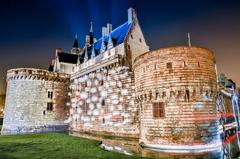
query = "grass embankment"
x=53 y=146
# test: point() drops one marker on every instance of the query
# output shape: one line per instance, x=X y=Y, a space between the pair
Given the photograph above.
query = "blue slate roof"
x=118 y=35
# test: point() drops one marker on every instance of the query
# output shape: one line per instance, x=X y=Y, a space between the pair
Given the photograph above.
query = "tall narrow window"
x=103 y=102
x=184 y=64
x=187 y=94
x=158 y=110
x=101 y=82
x=50 y=106
x=50 y=94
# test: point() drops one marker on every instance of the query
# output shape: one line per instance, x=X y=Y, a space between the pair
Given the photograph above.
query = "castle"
x=165 y=98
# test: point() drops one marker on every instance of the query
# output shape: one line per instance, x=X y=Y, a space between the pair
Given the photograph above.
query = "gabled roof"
x=67 y=57
x=118 y=36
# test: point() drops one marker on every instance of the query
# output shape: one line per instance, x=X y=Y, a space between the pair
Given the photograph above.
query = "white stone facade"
x=29 y=108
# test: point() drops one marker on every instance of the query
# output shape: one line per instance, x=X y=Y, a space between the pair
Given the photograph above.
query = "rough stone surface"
x=103 y=102
x=27 y=98
x=188 y=90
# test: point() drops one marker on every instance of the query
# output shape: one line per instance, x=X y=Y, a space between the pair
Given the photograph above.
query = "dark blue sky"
x=30 y=30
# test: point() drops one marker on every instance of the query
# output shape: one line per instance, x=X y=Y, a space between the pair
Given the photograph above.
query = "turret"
x=91 y=40
x=75 y=49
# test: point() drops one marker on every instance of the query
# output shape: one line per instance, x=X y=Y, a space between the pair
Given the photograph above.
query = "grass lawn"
x=53 y=146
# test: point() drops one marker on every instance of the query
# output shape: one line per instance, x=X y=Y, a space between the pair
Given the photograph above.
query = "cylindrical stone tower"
x=176 y=93
x=35 y=101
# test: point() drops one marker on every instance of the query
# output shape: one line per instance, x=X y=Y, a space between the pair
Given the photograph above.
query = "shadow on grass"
x=6 y=156
x=12 y=150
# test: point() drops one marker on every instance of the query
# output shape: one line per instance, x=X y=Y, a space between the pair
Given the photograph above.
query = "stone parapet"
x=38 y=74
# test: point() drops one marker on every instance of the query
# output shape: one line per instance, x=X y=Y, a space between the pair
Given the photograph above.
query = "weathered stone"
x=27 y=98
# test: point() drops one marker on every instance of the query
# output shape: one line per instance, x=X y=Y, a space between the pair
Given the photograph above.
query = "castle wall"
x=103 y=102
x=28 y=102
x=176 y=93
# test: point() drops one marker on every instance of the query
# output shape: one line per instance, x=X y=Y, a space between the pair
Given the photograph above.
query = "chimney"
x=58 y=50
x=131 y=15
x=104 y=31
x=87 y=39
x=109 y=28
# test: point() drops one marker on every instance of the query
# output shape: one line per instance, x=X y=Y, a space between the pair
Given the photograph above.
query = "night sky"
x=30 y=31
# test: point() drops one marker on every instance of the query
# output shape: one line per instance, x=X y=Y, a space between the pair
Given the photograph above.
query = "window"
x=101 y=82
x=156 y=95
x=158 y=110
x=187 y=94
x=50 y=94
x=50 y=106
x=140 y=40
x=184 y=64
x=103 y=102
x=198 y=64
x=131 y=36
x=169 y=65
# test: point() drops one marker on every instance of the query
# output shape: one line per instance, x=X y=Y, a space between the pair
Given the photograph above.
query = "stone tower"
x=35 y=101
x=176 y=93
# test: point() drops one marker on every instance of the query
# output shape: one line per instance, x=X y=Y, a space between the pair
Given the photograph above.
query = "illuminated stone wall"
x=2 y=104
x=103 y=102
x=27 y=98
x=184 y=80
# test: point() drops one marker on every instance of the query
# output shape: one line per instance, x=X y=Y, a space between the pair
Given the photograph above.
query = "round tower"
x=176 y=93
x=35 y=101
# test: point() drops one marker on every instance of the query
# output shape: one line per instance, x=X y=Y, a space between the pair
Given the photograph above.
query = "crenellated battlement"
x=36 y=74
